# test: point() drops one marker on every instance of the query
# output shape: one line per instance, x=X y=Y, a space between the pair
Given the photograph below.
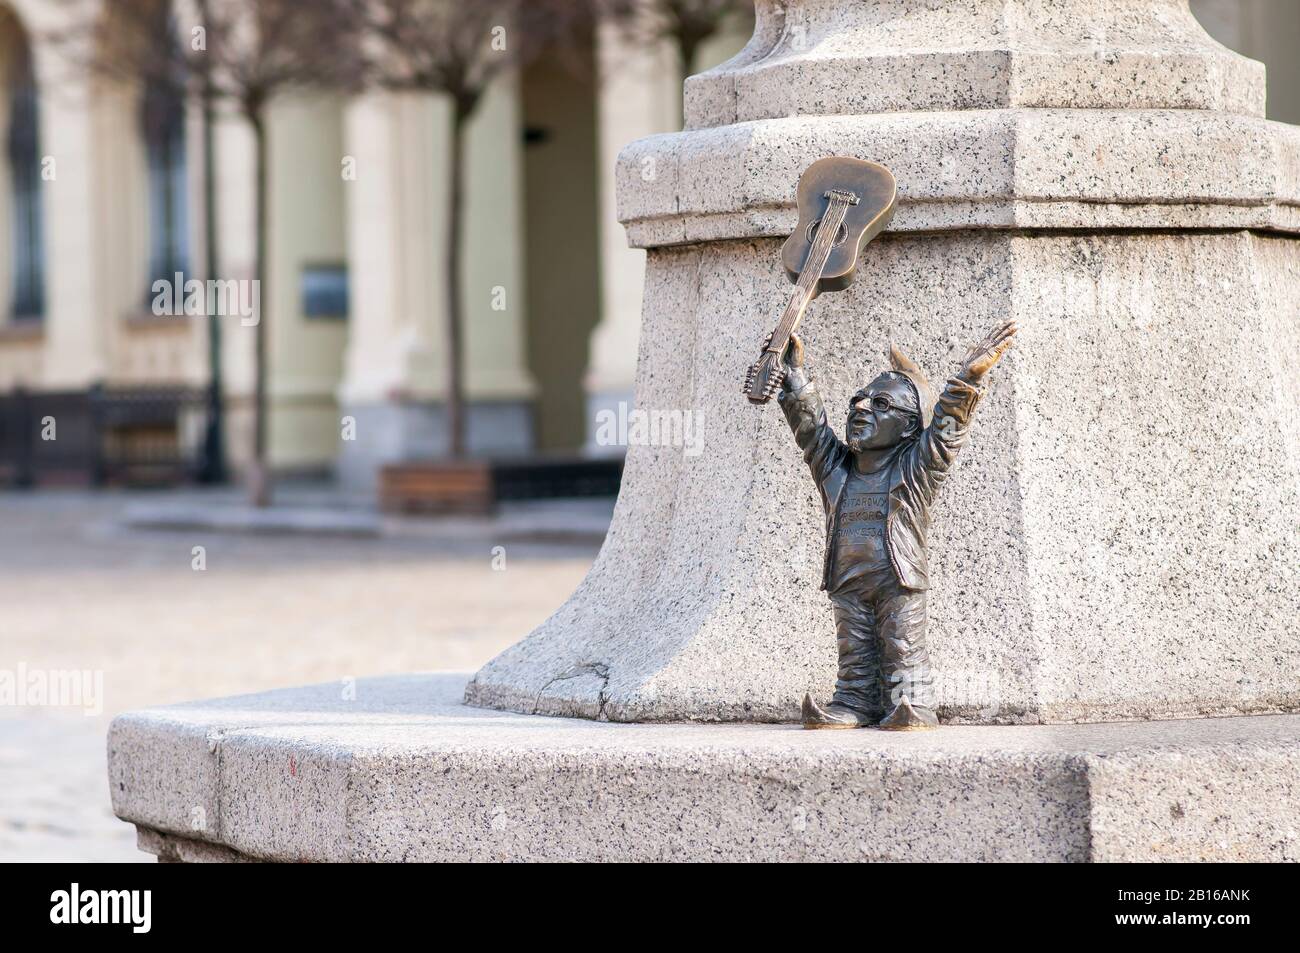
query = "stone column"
x=236 y=220
x=308 y=228
x=394 y=369
x=636 y=98
x=1119 y=538
x=76 y=353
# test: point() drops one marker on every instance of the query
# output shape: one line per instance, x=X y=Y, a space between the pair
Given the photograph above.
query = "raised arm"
x=941 y=441
x=802 y=405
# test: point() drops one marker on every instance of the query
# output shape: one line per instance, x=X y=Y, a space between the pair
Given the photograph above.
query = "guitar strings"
x=836 y=211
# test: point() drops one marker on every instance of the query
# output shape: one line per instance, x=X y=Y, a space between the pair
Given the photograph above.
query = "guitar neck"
x=806 y=287
x=799 y=301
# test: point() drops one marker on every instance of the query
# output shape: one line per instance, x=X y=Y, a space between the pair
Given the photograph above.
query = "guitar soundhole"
x=840 y=238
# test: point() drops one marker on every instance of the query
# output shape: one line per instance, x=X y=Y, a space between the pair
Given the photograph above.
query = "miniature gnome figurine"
x=877 y=489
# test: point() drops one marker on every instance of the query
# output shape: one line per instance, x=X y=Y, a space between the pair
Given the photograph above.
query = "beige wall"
x=73 y=350
x=97 y=324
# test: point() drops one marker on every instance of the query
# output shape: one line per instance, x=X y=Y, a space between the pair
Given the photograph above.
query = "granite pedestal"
x=1119 y=540
x=406 y=772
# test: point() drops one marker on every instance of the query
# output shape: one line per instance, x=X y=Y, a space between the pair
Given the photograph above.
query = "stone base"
x=1118 y=541
x=397 y=432
x=397 y=768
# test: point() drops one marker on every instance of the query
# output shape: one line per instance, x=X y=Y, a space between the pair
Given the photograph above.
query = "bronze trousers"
x=880 y=630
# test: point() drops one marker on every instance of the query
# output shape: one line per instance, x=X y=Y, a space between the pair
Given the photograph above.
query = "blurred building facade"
x=96 y=203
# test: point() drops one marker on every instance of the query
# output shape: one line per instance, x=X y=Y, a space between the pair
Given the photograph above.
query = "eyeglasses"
x=879 y=403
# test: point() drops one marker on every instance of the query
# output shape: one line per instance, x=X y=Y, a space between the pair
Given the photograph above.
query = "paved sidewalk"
x=81 y=591
x=313 y=510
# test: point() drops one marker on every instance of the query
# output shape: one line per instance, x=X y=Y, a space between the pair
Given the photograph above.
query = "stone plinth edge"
x=1004 y=168
x=404 y=772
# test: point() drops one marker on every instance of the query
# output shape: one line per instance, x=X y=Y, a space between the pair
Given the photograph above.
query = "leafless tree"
x=236 y=54
x=457 y=48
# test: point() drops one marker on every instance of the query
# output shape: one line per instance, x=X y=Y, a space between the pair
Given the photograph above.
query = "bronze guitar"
x=843 y=204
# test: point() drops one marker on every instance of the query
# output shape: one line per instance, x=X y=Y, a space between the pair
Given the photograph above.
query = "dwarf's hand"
x=793 y=356
x=981 y=358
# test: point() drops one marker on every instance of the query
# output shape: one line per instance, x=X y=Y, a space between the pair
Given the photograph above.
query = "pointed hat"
x=925 y=396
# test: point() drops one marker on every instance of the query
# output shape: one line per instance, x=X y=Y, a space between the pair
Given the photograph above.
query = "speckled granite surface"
x=403 y=771
x=1119 y=540
x=991 y=113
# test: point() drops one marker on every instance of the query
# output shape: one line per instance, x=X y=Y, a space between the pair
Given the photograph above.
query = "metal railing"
x=104 y=435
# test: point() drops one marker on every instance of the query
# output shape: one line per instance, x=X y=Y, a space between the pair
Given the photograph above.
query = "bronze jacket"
x=918 y=469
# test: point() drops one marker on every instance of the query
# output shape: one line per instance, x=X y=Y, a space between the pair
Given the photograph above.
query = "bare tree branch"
x=243 y=53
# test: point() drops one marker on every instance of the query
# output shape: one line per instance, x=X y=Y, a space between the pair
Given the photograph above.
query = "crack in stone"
x=599 y=669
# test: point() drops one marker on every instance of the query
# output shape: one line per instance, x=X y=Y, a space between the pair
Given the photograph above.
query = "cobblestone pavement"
x=80 y=592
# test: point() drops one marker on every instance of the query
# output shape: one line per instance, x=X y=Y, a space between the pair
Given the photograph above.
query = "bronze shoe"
x=832 y=716
x=909 y=717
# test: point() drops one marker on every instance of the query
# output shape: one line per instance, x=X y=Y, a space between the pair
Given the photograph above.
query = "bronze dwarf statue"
x=877 y=487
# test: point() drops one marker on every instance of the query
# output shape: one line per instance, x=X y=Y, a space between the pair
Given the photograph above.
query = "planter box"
x=476 y=486
x=451 y=486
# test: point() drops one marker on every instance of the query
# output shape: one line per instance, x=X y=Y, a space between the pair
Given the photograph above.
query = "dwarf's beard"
x=858 y=436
